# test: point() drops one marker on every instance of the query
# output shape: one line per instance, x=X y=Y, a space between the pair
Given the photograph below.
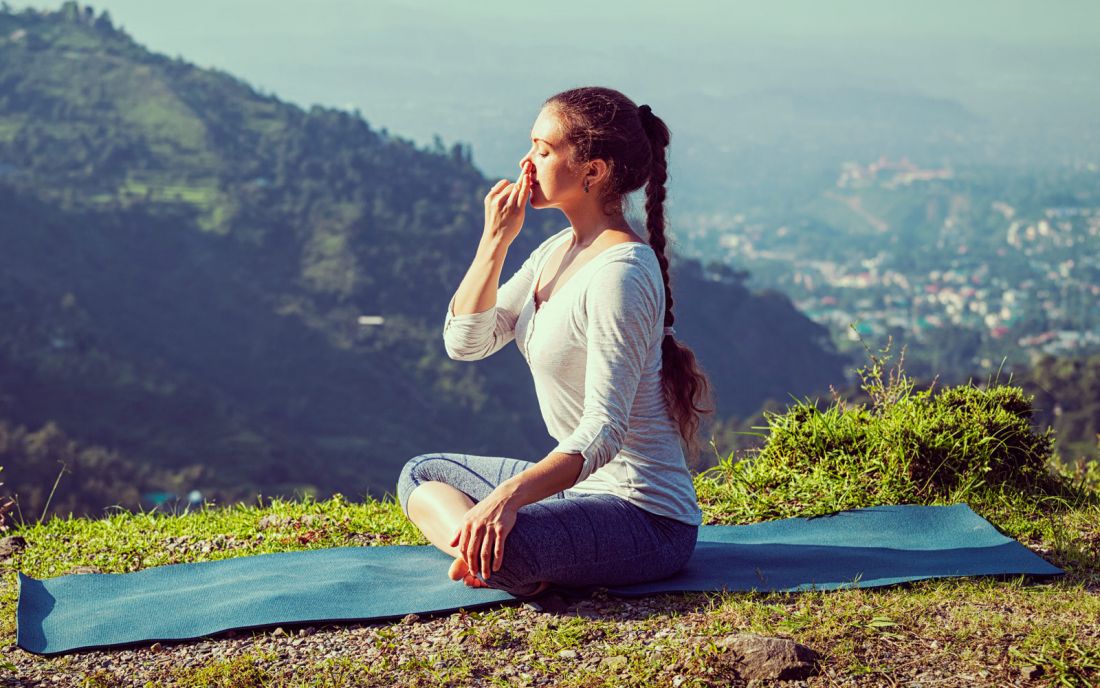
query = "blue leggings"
x=571 y=538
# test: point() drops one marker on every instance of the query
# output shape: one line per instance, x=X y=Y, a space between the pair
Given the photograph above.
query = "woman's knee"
x=411 y=477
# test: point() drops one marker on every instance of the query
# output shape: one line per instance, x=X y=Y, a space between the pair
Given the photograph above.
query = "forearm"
x=478 y=291
x=550 y=476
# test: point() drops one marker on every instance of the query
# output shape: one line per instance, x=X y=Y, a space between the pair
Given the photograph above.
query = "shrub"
x=908 y=446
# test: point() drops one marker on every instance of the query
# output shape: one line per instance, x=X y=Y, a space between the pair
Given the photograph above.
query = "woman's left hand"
x=483 y=531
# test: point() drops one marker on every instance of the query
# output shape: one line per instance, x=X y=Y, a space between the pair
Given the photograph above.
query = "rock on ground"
x=759 y=657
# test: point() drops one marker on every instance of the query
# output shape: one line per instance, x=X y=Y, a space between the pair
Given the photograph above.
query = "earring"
x=586 y=186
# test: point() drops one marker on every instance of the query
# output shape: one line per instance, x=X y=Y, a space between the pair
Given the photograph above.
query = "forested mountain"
x=184 y=261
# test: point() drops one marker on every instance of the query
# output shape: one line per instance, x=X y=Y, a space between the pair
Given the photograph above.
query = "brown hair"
x=602 y=123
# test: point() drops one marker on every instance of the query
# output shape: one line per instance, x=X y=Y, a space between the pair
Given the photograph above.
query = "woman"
x=590 y=309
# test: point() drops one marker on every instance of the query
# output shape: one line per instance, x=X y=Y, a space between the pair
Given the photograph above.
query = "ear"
x=597 y=172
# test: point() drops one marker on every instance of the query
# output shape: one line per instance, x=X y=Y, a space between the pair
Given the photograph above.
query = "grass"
x=962 y=445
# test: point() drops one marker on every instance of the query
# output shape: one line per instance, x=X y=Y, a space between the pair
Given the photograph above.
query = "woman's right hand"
x=504 y=208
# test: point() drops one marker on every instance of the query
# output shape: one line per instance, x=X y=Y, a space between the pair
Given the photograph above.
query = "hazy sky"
x=477 y=72
x=566 y=22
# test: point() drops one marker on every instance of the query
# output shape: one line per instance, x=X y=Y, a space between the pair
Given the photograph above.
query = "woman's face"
x=554 y=181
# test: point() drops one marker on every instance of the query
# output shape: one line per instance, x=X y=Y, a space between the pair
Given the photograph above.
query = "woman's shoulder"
x=631 y=272
x=629 y=259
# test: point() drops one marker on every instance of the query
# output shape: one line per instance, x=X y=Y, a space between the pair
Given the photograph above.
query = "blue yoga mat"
x=868 y=547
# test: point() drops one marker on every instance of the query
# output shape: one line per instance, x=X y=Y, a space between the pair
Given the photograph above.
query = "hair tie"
x=669 y=329
x=644 y=110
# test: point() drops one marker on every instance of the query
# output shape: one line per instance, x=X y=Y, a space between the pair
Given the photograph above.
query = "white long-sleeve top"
x=594 y=350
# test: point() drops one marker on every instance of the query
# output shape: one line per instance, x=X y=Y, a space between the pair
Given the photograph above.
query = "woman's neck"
x=589 y=230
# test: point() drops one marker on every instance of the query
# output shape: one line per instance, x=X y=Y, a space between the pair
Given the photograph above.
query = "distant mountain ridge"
x=185 y=261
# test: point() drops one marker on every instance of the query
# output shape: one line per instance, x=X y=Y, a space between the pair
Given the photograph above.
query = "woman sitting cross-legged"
x=591 y=311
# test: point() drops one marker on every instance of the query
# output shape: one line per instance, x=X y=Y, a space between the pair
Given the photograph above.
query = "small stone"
x=156 y=647
x=533 y=606
x=1030 y=672
x=10 y=545
x=613 y=663
x=568 y=654
x=410 y=619
x=279 y=631
x=677 y=680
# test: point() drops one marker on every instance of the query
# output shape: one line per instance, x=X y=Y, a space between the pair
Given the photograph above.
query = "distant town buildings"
x=1030 y=283
x=888 y=174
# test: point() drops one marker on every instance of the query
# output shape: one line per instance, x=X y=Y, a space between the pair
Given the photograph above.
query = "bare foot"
x=460 y=571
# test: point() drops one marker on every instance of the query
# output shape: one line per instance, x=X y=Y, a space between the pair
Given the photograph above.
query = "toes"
x=458 y=570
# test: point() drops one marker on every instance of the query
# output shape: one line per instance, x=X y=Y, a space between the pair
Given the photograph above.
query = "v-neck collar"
x=538 y=278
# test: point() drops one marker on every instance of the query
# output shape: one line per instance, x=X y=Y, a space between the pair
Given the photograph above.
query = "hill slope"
x=186 y=260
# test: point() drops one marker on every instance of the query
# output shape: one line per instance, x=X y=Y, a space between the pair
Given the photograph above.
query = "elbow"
x=466 y=347
x=452 y=353
x=604 y=447
x=471 y=341
x=462 y=354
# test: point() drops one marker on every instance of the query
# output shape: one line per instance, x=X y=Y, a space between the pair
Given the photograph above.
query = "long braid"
x=655 y=199
x=682 y=382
